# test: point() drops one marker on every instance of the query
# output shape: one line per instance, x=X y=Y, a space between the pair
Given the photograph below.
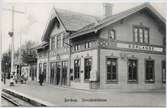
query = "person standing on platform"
x=41 y=78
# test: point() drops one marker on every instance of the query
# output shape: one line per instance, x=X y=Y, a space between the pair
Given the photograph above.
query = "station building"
x=125 y=50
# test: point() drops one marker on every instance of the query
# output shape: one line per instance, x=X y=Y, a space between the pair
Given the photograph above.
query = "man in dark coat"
x=41 y=78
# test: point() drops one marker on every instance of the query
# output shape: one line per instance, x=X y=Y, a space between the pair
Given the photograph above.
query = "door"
x=52 y=73
x=64 y=73
x=58 y=69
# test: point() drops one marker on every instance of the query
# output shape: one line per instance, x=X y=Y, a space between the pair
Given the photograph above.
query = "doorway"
x=58 y=69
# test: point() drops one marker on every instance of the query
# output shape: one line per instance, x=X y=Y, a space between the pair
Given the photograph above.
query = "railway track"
x=19 y=99
x=14 y=100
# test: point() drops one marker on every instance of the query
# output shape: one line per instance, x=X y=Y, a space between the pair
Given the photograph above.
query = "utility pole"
x=11 y=34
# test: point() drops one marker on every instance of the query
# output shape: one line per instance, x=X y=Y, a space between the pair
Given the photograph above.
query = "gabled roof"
x=114 y=18
x=72 y=21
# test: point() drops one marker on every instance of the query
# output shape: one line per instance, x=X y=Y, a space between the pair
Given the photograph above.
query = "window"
x=88 y=44
x=76 y=69
x=146 y=36
x=136 y=34
x=132 y=70
x=111 y=69
x=111 y=35
x=76 y=47
x=163 y=71
x=64 y=41
x=40 y=68
x=44 y=71
x=88 y=66
x=52 y=42
x=149 y=71
x=58 y=41
x=141 y=34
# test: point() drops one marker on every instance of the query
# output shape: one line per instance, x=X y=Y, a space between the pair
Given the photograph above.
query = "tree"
x=28 y=54
x=6 y=63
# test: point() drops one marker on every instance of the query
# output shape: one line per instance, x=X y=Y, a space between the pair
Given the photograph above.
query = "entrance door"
x=64 y=73
x=58 y=69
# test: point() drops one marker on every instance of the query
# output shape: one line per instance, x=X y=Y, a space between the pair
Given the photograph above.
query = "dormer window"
x=141 y=34
x=111 y=34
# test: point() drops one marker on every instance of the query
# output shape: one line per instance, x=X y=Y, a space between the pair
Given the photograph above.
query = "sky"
x=31 y=23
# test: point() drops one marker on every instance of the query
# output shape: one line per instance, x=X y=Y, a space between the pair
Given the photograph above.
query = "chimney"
x=108 y=8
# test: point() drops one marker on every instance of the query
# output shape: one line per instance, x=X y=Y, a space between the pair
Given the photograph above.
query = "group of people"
x=14 y=78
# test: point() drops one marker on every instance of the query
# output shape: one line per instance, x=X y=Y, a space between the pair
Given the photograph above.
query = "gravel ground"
x=60 y=96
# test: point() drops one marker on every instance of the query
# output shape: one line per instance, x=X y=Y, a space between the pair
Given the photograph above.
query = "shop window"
x=58 y=41
x=53 y=43
x=111 y=34
x=88 y=66
x=132 y=70
x=112 y=69
x=164 y=71
x=141 y=34
x=88 y=44
x=76 y=69
x=149 y=71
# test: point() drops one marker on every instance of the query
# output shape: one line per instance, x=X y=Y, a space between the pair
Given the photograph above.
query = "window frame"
x=40 y=68
x=77 y=47
x=79 y=69
x=88 y=44
x=138 y=27
x=111 y=80
x=109 y=34
x=85 y=68
x=132 y=81
x=147 y=81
